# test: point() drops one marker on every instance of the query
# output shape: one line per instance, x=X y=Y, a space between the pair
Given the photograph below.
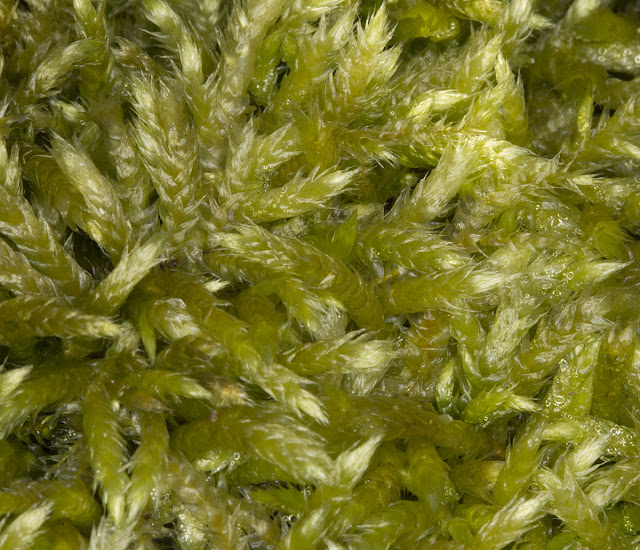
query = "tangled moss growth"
x=297 y=274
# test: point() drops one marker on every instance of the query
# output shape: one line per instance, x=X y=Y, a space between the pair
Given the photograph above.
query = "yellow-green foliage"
x=319 y=274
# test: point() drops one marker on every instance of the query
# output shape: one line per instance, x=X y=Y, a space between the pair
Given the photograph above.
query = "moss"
x=319 y=274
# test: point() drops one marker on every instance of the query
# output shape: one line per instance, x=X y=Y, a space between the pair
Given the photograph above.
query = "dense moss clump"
x=297 y=274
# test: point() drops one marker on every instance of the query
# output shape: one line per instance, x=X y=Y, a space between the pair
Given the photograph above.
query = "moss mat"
x=319 y=274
